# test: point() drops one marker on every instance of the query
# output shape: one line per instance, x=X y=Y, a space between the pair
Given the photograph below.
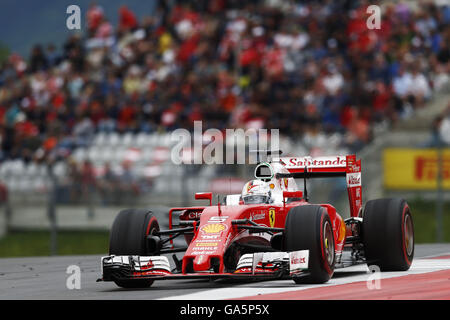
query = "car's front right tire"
x=309 y=227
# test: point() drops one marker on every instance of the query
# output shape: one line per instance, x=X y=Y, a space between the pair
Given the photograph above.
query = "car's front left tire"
x=128 y=236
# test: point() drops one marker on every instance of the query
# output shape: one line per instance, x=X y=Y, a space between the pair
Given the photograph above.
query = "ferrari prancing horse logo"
x=272 y=217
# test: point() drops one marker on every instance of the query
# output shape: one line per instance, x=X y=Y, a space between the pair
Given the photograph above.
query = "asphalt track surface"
x=45 y=278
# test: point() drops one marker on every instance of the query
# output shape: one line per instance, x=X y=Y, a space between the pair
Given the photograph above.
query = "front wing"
x=256 y=266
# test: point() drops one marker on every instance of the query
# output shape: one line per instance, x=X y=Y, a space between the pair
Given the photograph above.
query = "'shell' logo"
x=213 y=228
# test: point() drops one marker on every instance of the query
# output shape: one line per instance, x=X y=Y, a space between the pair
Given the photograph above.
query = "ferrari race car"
x=270 y=231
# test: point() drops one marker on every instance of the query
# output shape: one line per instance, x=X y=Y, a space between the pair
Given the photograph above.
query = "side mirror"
x=204 y=196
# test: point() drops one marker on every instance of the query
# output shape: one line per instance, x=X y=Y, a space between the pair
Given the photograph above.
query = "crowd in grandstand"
x=304 y=67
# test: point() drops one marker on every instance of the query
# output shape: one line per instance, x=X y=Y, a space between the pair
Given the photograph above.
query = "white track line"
x=246 y=290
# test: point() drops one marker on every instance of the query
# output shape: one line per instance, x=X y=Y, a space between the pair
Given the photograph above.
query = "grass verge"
x=425 y=224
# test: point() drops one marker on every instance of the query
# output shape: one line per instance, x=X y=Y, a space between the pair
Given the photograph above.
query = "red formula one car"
x=270 y=231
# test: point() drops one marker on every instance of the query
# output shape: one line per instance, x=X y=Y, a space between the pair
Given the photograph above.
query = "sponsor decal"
x=272 y=186
x=415 y=169
x=286 y=182
x=354 y=179
x=245 y=269
x=257 y=270
x=272 y=217
x=258 y=216
x=218 y=219
x=298 y=260
x=204 y=249
x=312 y=162
x=208 y=240
x=426 y=168
x=194 y=215
x=206 y=244
x=209 y=237
x=212 y=228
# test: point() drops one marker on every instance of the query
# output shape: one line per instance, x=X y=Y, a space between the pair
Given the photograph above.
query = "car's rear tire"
x=128 y=236
x=388 y=234
x=309 y=227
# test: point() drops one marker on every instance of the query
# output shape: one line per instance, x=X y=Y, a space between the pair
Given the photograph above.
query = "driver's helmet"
x=256 y=192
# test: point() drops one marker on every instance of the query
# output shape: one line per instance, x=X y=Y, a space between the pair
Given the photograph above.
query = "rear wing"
x=327 y=167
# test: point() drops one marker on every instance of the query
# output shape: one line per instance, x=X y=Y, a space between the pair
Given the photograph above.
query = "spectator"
x=88 y=181
x=402 y=84
x=94 y=17
x=419 y=86
x=127 y=19
x=53 y=58
x=38 y=60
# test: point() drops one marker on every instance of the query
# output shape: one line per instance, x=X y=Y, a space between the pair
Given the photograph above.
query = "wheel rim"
x=409 y=234
x=329 y=244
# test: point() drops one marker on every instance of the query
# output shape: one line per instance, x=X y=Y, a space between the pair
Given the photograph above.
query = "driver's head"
x=256 y=192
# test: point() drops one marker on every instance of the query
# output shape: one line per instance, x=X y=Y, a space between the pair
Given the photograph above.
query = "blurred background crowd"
x=311 y=69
